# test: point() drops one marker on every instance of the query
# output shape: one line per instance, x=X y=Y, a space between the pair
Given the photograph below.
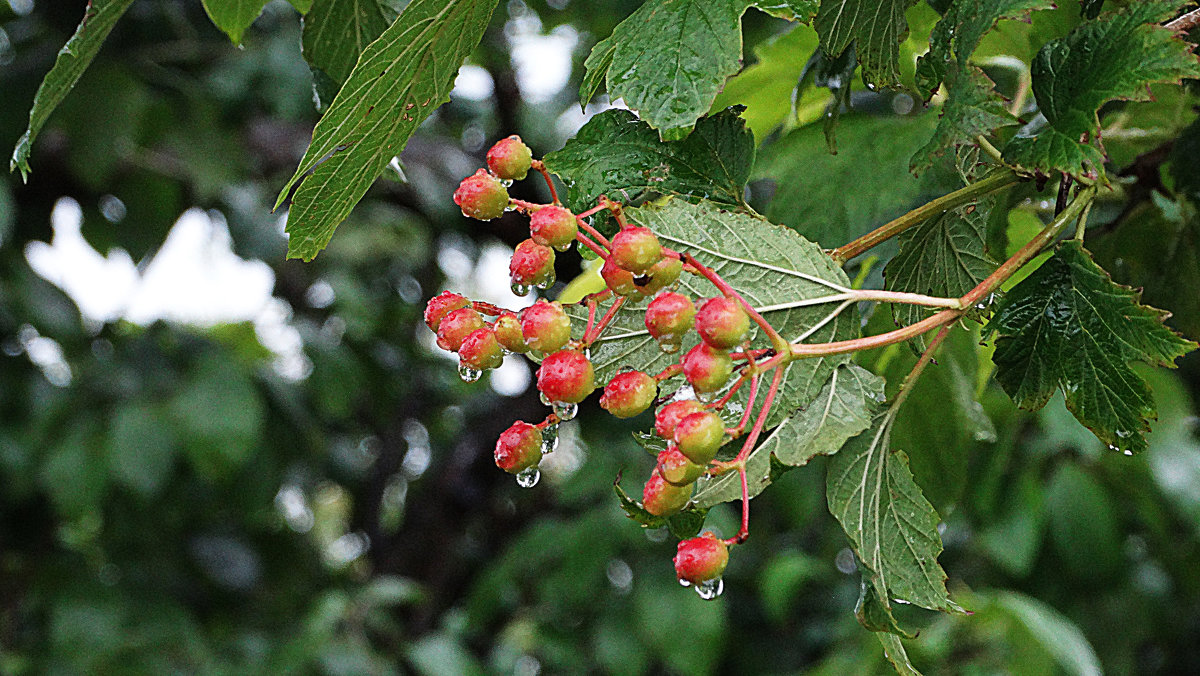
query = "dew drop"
x=549 y=439
x=519 y=289
x=528 y=478
x=710 y=589
x=544 y=398
x=506 y=182
x=545 y=283
x=468 y=374
x=706 y=397
x=684 y=583
x=669 y=346
x=565 y=411
x=563 y=247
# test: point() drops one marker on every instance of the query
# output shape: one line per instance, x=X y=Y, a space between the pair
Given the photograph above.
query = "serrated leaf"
x=833 y=73
x=1112 y=58
x=972 y=108
x=1052 y=150
x=399 y=80
x=669 y=59
x=1185 y=161
x=840 y=410
x=616 y=152
x=792 y=10
x=891 y=526
x=73 y=59
x=893 y=650
x=233 y=17
x=944 y=256
x=877 y=27
x=1068 y=326
x=337 y=31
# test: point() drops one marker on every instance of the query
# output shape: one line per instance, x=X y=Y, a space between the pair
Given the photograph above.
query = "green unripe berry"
x=664 y=499
x=675 y=467
x=699 y=436
x=707 y=368
x=636 y=249
x=553 y=226
x=508 y=333
x=510 y=158
x=722 y=323
x=628 y=394
x=669 y=416
x=481 y=196
x=545 y=326
x=660 y=275
x=618 y=279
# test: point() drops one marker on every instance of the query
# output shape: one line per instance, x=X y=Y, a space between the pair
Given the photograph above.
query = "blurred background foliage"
x=309 y=488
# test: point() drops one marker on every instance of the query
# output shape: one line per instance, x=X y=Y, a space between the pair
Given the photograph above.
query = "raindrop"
x=564 y=246
x=549 y=439
x=544 y=398
x=506 y=182
x=669 y=346
x=871 y=86
x=684 y=583
x=710 y=589
x=565 y=411
x=468 y=374
x=545 y=283
x=528 y=478
x=519 y=289
x=706 y=397
x=1127 y=452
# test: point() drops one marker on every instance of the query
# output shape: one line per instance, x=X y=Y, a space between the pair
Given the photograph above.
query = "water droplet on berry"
x=684 y=583
x=519 y=289
x=710 y=589
x=528 y=478
x=468 y=374
x=565 y=411
x=707 y=397
x=544 y=398
x=549 y=439
x=545 y=283
x=563 y=247
x=506 y=182
x=669 y=346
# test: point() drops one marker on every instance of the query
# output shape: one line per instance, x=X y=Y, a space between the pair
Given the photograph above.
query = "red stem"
x=537 y=164
x=591 y=245
x=741 y=427
x=604 y=321
x=744 y=532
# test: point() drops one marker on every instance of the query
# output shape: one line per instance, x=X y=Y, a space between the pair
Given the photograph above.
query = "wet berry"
x=628 y=394
x=664 y=499
x=480 y=350
x=618 y=279
x=722 y=323
x=660 y=275
x=532 y=264
x=675 y=467
x=456 y=326
x=669 y=316
x=545 y=326
x=669 y=416
x=553 y=226
x=481 y=196
x=440 y=305
x=519 y=447
x=701 y=559
x=636 y=249
x=509 y=158
x=707 y=368
x=699 y=436
x=508 y=333
x=566 y=376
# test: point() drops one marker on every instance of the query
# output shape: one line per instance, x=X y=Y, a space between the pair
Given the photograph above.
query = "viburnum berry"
x=618 y=279
x=669 y=416
x=707 y=368
x=440 y=305
x=545 y=326
x=628 y=394
x=676 y=468
x=456 y=326
x=566 y=376
x=509 y=158
x=532 y=264
x=636 y=249
x=661 y=498
x=699 y=436
x=519 y=447
x=701 y=559
x=480 y=350
x=508 y=333
x=669 y=316
x=660 y=275
x=553 y=226
x=722 y=323
x=481 y=196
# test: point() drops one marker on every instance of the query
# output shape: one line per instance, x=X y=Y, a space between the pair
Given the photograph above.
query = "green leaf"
x=877 y=27
x=233 y=17
x=1068 y=326
x=944 y=256
x=834 y=73
x=893 y=649
x=669 y=59
x=616 y=152
x=1112 y=58
x=73 y=59
x=891 y=526
x=1056 y=633
x=792 y=10
x=682 y=525
x=1052 y=150
x=841 y=410
x=399 y=80
x=1185 y=161
x=141 y=447
x=337 y=31
x=768 y=86
x=775 y=270
x=972 y=108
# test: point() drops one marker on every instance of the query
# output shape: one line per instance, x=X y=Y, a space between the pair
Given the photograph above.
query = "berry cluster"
x=636 y=266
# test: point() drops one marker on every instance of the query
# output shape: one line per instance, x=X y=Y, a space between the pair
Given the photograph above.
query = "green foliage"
x=234 y=16
x=336 y=32
x=875 y=27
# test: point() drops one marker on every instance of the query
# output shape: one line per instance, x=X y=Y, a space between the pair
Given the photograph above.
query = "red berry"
x=481 y=196
x=701 y=559
x=566 y=376
x=545 y=326
x=660 y=275
x=669 y=316
x=699 y=436
x=636 y=249
x=618 y=279
x=628 y=394
x=519 y=447
x=722 y=322
x=456 y=326
x=509 y=158
x=440 y=305
x=532 y=265
x=480 y=350
x=707 y=368
x=508 y=333
x=669 y=416
x=675 y=467
x=664 y=499
x=553 y=226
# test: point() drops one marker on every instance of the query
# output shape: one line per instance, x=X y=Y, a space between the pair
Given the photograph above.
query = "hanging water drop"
x=710 y=589
x=544 y=398
x=565 y=411
x=669 y=346
x=545 y=283
x=468 y=374
x=684 y=583
x=519 y=289
x=528 y=478
x=549 y=439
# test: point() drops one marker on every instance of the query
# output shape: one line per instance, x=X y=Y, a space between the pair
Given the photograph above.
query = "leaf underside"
x=233 y=17
x=337 y=31
x=876 y=27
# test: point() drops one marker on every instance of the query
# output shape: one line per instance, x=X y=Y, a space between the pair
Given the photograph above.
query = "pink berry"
x=669 y=316
x=636 y=249
x=660 y=275
x=532 y=265
x=481 y=196
x=664 y=499
x=509 y=158
x=628 y=394
x=566 y=376
x=440 y=305
x=707 y=368
x=456 y=326
x=519 y=447
x=553 y=226
x=545 y=326
x=701 y=559
x=669 y=416
x=675 y=467
x=480 y=350
x=618 y=279
x=508 y=333
x=722 y=323
x=699 y=436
